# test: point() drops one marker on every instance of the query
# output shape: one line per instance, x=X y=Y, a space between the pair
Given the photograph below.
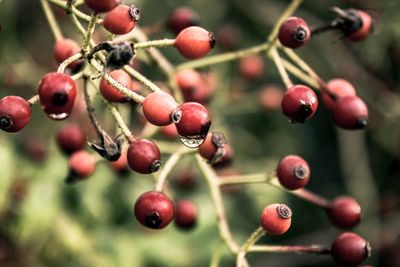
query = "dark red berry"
x=15 y=113
x=35 y=148
x=158 y=107
x=65 y=48
x=335 y=89
x=122 y=19
x=154 y=210
x=299 y=103
x=189 y=82
x=57 y=92
x=270 y=97
x=293 y=172
x=351 y=113
x=192 y=122
x=100 y=6
x=349 y=249
x=213 y=147
x=344 y=212
x=194 y=42
x=276 y=219
x=185 y=214
x=70 y=138
x=111 y=93
x=251 y=67
x=186 y=179
x=228 y=37
x=182 y=18
x=294 y=33
x=81 y=164
x=144 y=156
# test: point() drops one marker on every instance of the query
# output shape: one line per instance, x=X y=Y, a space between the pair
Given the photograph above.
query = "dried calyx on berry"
x=119 y=54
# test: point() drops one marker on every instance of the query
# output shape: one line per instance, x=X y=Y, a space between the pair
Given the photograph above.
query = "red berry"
x=57 y=92
x=169 y=131
x=100 y=6
x=185 y=214
x=121 y=19
x=154 y=210
x=276 y=219
x=350 y=112
x=350 y=249
x=195 y=86
x=65 y=48
x=15 y=113
x=121 y=164
x=194 y=42
x=186 y=179
x=293 y=172
x=70 y=138
x=182 y=18
x=144 y=156
x=158 y=107
x=335 y=89
x=270 y=97
x=192 y=122
x=366 y=28
x=213 y=147
x=112 y=94
x=294 y=33
x=81 y=164
x=251 y=67
x=299 y=103
x=344 y=212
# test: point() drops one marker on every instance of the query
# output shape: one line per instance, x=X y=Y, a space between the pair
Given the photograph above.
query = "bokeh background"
x=44 y=222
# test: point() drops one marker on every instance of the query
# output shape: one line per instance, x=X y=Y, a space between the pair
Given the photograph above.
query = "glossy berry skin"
x=70 y=138
x=121 y=20
x=65 y=48
x=182 y=18
x=15 y=113
x=158 y=107
x=335 y=89
x=349 y=249
x=194 y=42
x=299 y=103
x=101 y=6
x=192 y=122
x=251 y=67
x=185 y=214
x=112 y=94
x=276 y=219
x=81 y=164
x=57 y=92
x=350 y=113
x=367 y=24
x=294 y=33
x=293 y=172
x=154 y=210
x=344 y=212
x=144 y=156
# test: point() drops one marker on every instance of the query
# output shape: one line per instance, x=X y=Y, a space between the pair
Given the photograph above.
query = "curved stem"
x=55 y=29
x=254 y=237
x=255 y=178
x=120 y=122
x=281 y=69
x=142 y=79
x=33 y=100
x=68 y=61
x=300 y=62
x=90 y=108
x=89 y=32
x=155 y=43
x=312 y=249
x=169 y=165
x=216 y=257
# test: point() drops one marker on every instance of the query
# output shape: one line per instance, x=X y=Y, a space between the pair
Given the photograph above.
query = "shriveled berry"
x=65 y=48
x=81 y=164
x=251 y=67
x=194 y=42
x=355 y=24
x=351 y=113
x=293 y=172
x=213 y=147
x=367 y=25
x=158 y=107
x=335 y=89
x=144 y=156
x=15 y=113
x=226 y=158
x=112 y=94
x=299 y=103
x=100 y=6
x=182 y=18
x=344 y=211
x=154 y=210
x=185 y=214
x=294 y=33
x=270 y=97
x=276 y=219
x=350 y=249
x=122 y=19
x=70 y=138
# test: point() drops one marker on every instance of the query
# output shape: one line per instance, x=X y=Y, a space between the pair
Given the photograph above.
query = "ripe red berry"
x=112 y=94
x=276 y=219
x=185 y=214
x=100 y=6
x=213 y=147
x=344 y=212
x=194 y=42
x=144 y=156
x=335 y=89
x=81 y=164
x=154 y=210
x=169 y=131
x=15 y=113
x=182 y=18
x=270 y=97
x=350 y=113
x=350 y=249
x=299 y=103
x=70 y=138
x=57 y=92
x=294 y=33
x=195 y=86
x=364 y=28
x=122 y=19
x=293 y=172
x=65 y=48
x=251 y=67
x=158 y=107
x=192 y=122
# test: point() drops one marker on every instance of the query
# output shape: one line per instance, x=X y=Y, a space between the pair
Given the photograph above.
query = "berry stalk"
x=312 y=249
x=281 y=69
x=155 y=43
x=55 y=28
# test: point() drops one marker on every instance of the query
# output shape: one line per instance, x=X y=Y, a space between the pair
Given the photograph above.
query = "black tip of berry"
x=303 y=113
x=300 y=172
x=153 y=220
x=213 y=41
x=59 y=99
x=362 y=123
x=300 y=34
x=155 y=166
x=176 y=115
x=6 y=122
x=284 y=211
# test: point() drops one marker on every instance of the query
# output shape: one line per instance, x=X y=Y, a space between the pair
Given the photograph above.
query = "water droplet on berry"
x=58 y=117
x=193 y=141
